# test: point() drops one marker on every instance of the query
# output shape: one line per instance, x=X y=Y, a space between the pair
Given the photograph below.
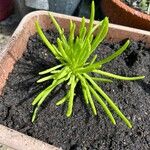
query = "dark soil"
x=82 y=131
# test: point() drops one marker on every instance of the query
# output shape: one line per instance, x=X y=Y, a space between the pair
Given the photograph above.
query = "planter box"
x=15 y=49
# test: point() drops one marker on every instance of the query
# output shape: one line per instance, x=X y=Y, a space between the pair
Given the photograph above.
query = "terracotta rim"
x=127 y=8
x=20 y=141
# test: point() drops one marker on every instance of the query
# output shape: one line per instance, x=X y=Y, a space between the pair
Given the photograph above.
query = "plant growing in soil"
x=76 y=65
x=142 y=5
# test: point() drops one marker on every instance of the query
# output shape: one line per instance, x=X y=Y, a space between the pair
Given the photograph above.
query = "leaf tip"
x=57 y=104
x=130 y=125
x=33 y=103
x=32 y=120
x=68 y=114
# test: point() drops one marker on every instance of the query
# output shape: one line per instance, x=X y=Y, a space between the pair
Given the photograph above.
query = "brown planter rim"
x=133 y=11
x=17 y=45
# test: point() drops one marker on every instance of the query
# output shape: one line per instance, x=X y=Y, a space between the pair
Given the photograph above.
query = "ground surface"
x=82 y=131
x=7 y=27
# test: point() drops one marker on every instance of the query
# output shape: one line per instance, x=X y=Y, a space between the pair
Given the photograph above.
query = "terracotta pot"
x=16 y=47
x=6 y=7
x=120 y=13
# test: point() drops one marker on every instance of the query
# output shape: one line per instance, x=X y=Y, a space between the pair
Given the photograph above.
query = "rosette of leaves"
x=75 y=66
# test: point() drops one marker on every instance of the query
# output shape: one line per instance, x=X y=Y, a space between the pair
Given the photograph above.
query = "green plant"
x=75 y=66
x=142 y=5
x=145 y=6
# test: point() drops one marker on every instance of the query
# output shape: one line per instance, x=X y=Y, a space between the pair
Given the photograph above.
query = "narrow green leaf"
x=84 y=53
x=63 y=52
x=45 y=40
x=104 y=106
x=61 y=31
x=61 y=101
x=83 y=83
x=91 y=38
x=71 y=96
x=88 y=97
x=56 y=49
x=91 y=20
x=85 y=94
x=50 y=69
x=40 y=95
x=77 y=49
x=116 y=54
x=34 y=114
x=110 y=102
x=101 y=34
x=40 y=102
x=89 y=68
x=117 y=76
x=55 y=71
x=45 y=78
x=44 y=96
x=71 y=36
x=83 y=34
x=82 y=26
x=56 y=24
x=101 y=79
x=96 y=26
x=69 y=82
x=87 y=51
x=93 y=59
x=91 y=101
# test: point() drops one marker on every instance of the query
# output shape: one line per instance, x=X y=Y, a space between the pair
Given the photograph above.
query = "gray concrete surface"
x=7 y=27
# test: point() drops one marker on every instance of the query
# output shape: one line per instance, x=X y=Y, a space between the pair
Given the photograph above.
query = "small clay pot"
x=120 y=13
x=6 y=8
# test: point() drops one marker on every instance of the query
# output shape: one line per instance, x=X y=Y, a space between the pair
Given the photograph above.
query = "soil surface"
x=82 y=131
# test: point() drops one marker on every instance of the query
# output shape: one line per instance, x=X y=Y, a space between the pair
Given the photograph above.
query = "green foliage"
x=145 y=6
x=75 y=66
x=142 y=5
